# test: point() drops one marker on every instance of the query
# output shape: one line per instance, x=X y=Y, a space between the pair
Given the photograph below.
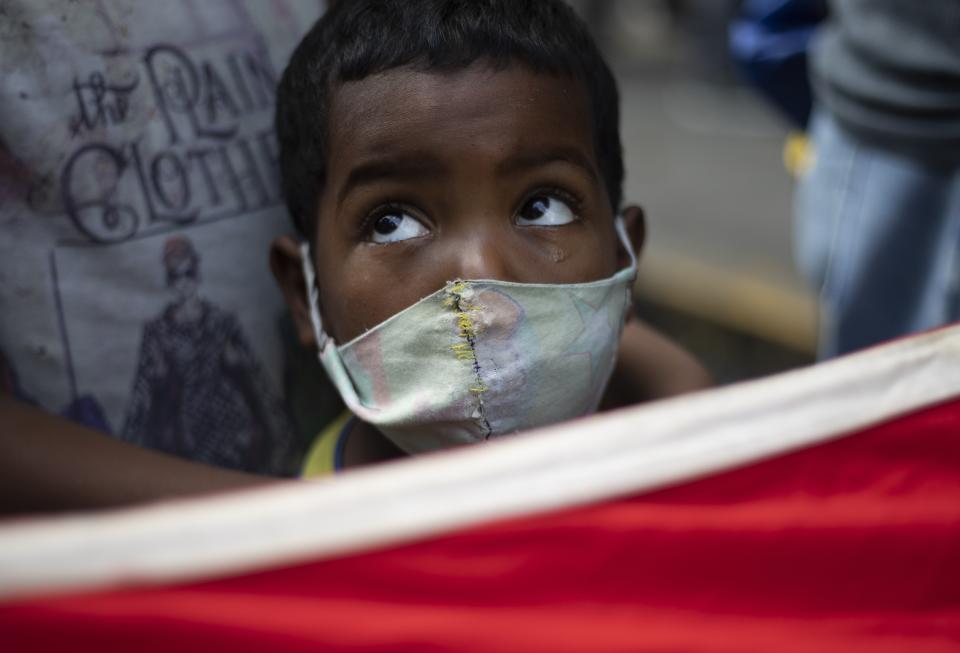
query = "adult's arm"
x=48 y=463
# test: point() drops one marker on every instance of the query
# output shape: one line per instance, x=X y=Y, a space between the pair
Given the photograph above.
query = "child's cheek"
x=557 y=254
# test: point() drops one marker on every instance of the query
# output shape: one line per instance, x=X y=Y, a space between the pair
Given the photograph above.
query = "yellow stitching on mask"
x=467 y=331
x=463 y=351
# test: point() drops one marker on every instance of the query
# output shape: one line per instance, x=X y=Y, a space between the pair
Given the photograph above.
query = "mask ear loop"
x=328 y=354
x=621 y=227
x=313 y=297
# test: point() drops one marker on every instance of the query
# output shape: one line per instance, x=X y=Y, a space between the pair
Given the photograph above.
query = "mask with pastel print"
x=480 y=359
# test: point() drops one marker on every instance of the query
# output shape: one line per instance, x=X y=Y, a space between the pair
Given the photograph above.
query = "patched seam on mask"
x=466 y=350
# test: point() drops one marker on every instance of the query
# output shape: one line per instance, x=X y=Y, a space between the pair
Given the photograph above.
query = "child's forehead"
x=450 y=83
x=456 y=112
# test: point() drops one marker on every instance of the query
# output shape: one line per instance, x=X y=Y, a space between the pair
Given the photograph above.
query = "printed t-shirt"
x=138 y=198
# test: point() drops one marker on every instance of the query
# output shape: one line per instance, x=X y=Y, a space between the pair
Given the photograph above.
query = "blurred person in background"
x=130 y=132
x=878 y=209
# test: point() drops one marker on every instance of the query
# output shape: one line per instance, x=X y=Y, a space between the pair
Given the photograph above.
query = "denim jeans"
x=877 y=235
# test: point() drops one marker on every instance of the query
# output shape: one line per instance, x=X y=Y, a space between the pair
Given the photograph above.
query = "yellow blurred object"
x=798 y=154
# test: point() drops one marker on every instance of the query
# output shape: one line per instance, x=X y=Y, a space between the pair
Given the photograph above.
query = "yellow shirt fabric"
x=321 y=458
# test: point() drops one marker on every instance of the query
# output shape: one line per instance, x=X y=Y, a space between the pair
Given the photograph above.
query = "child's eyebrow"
x=528 y=160
x=392 y=168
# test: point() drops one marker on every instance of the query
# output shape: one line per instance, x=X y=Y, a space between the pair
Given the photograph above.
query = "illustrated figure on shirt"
x=199 y=390
x=9 y=381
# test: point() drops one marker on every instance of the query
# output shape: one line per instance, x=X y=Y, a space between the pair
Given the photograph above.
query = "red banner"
x=851 y=544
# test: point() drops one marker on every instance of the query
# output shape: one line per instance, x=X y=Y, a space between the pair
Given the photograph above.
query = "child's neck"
x=366 y=445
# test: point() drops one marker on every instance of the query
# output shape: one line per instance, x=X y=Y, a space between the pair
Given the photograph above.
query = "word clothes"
x=138 y=193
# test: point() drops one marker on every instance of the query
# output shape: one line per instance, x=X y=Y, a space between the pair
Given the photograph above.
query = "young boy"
x=429 y=144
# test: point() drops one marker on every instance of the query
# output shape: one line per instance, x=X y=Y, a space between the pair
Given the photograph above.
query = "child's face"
x=474 y=174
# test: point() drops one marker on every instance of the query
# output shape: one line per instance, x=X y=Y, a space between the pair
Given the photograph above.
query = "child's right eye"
x=395 y=226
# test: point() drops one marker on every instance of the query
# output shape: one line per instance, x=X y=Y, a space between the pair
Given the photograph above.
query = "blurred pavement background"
x=703 y=155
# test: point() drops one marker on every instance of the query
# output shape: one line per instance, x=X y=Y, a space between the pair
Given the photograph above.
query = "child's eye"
x=396 y=226
x=544 y=210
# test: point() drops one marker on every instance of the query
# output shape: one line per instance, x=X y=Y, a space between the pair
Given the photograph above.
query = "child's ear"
x=287 y=268
x=636 y=227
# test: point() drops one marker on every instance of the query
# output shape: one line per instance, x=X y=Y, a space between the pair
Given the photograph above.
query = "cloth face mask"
x=480 y=359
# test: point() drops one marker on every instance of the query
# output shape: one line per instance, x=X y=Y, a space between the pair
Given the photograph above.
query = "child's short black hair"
x=359 y=38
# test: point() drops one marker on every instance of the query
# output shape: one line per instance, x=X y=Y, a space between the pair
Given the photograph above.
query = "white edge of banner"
x=572 y=464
